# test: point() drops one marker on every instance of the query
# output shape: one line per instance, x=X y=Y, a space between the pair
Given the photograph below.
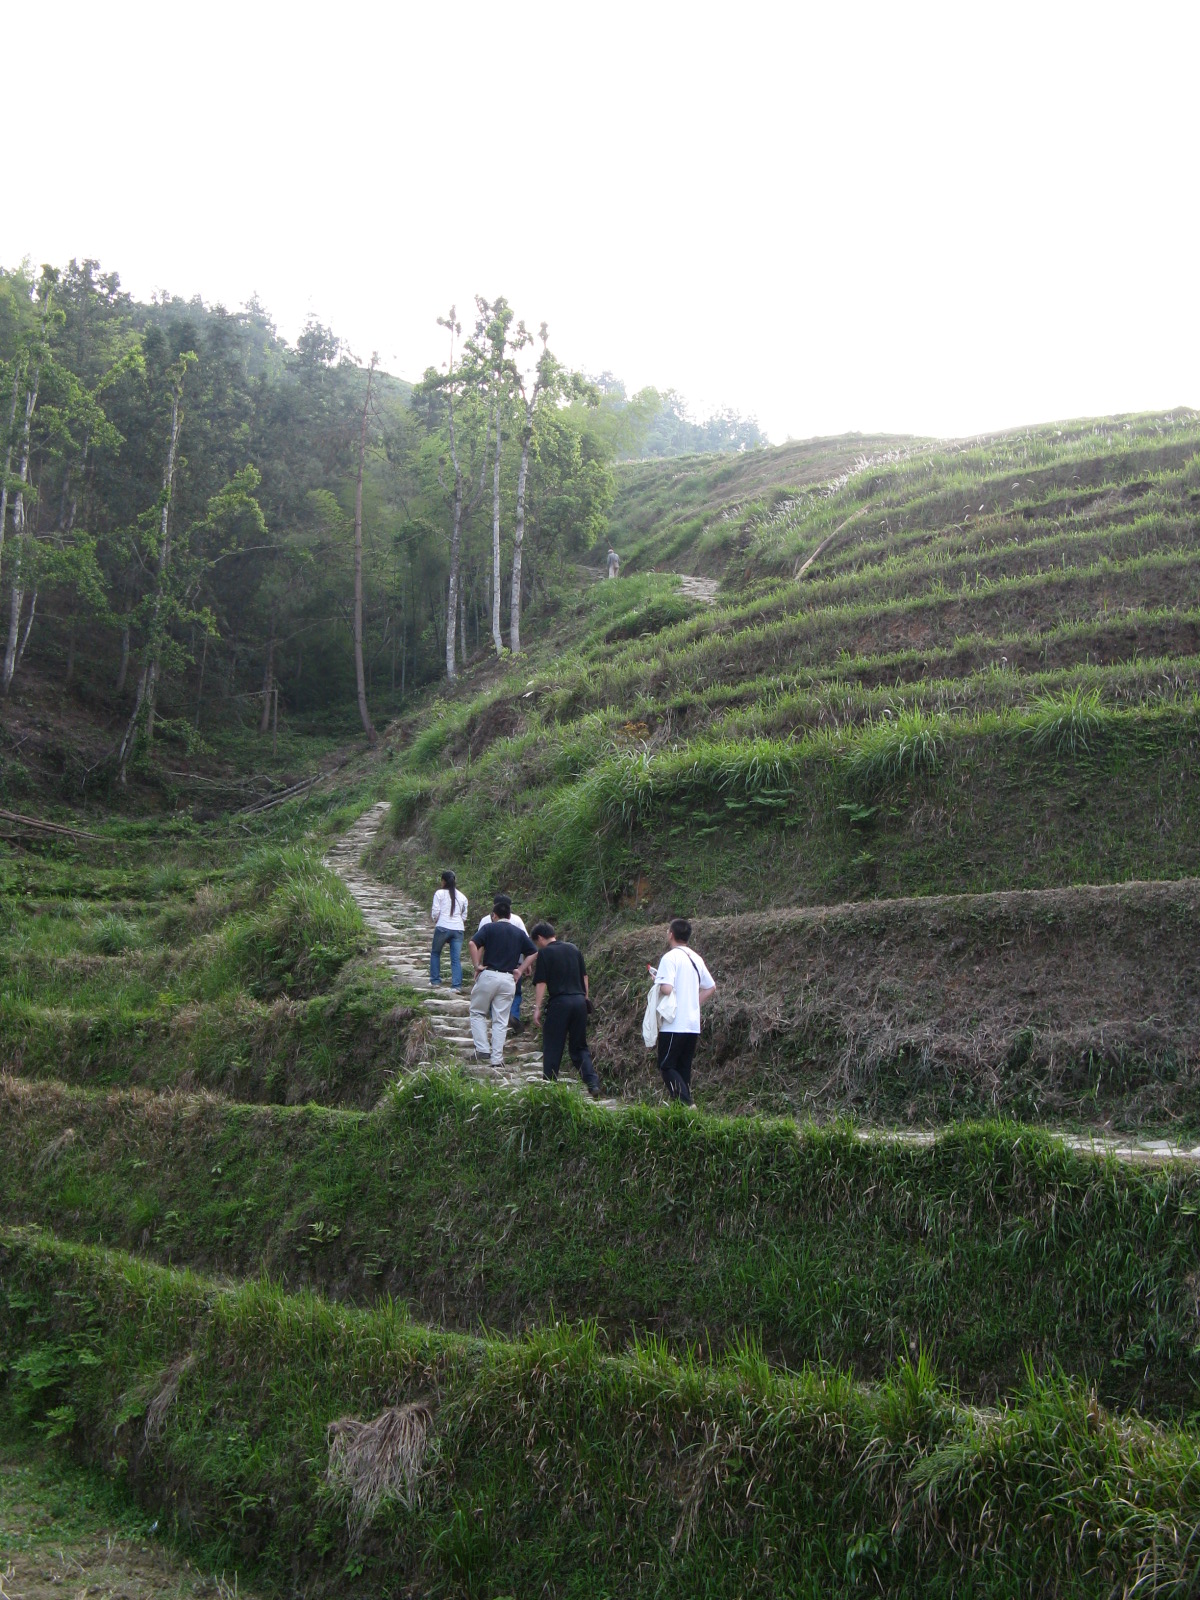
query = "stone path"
x=698 y=588
x=404 y=934
x=704 y=589
x=403 y=931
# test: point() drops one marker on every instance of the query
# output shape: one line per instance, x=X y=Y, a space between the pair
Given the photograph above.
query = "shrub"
x=114 y=935
x=1066 y=723
x=909 y=745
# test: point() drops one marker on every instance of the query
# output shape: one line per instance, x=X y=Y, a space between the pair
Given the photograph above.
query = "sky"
x=909 y=218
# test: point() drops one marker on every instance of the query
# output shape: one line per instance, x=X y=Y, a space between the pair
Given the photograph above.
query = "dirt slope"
x=1077 y=1004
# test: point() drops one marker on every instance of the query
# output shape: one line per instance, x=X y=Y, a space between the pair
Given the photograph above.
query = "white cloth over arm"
x=660 y=1010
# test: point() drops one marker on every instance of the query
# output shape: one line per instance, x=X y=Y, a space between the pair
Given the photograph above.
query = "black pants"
x=675 y=1052
x=565 y=1023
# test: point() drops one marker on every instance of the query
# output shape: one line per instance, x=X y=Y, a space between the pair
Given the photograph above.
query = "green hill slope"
x=921 y=757
x=945 y=670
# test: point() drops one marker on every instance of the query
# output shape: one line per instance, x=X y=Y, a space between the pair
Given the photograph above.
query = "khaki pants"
x=493 y=993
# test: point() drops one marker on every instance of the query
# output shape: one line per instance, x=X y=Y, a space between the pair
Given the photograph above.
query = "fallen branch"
x=50 y=827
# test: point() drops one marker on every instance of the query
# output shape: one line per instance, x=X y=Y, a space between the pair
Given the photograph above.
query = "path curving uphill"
x=402 y=930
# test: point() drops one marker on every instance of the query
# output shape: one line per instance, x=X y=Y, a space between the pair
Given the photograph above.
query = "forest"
x=204 y=525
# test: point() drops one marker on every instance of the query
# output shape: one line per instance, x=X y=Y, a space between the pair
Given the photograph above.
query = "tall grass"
x=550 y=1458
x=909 y=745
x=1066 y=723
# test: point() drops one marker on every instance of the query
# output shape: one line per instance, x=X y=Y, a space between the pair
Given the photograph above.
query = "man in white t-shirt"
x=681 y=972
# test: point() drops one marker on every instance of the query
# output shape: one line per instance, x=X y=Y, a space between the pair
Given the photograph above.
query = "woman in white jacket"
x=449 y=923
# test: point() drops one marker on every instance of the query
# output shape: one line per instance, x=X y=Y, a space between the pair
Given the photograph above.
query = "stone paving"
x=404 y=935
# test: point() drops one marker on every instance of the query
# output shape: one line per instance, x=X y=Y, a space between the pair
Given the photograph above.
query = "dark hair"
x=682 y=929
x=541 y=930
x=502 y=904
x=450 y=880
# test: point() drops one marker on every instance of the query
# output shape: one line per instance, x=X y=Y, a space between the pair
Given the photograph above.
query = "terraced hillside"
x=352 y=1319
x=967 y=671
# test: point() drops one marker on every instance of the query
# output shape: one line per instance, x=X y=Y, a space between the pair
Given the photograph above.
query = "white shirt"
x=512 y=917
x=440 y=912
x=685 y=971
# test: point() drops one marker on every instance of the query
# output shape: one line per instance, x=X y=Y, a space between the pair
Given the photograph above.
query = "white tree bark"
x=19 y=537
x=268 y=681
x=514 y=618
x=359 y=677
x=8 y=449
x=496 y=639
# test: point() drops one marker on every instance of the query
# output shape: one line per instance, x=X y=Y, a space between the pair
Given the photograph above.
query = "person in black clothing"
x=562 y=989
x=497 y=953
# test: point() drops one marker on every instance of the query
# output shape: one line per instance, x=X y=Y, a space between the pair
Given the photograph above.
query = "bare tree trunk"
x=19 y=538
x=8 y=449
x=514 y=621
x=462 y=626
x=455 y=549
x=268 y=679
x=147 y=690
x=124 y=667
x=28 y=628
x=200 y=686
x=496 y=639
x=360 y=680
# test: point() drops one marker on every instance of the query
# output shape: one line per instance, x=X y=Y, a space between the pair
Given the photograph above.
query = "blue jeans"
x=516 y=1005
x=448 y=936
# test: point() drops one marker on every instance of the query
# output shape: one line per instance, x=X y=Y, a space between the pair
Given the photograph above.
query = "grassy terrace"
x=549 y=1463
x=209 y=956
x=992 y=1246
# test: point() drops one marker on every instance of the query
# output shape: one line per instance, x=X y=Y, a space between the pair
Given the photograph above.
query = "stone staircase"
x=404 y=934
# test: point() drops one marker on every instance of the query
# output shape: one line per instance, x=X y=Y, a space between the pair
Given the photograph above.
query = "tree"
x=360 y=679
x=494 y=322
x=33 y=358
x=457 y=399
x=544 y=385
x=147 y=689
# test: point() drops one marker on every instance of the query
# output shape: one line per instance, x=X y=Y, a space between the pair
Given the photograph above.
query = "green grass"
x=553 y=1461
x=208 y=955
x=475 y=1207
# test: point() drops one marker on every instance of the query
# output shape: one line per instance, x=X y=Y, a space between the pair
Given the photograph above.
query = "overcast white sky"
x=923 y=218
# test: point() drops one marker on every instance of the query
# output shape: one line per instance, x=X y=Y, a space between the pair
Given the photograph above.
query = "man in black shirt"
x=562 y=987
x=497 y=952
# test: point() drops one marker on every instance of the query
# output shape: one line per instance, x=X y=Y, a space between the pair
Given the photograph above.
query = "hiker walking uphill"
x=561 y=983
x=614 y=563
x=515 y=1025
x=448 y=915
x=497 y=953
x=681 y=973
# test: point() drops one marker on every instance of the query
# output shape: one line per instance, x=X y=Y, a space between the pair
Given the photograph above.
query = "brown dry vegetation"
x=1056 y=1003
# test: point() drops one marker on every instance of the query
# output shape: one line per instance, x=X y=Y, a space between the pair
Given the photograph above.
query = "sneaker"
x=496 y=1065
x=594 y=1091
x=516 y=1027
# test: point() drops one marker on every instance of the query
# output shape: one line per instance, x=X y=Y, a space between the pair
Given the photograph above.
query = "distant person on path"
x=514 y=1016
x=448 y=914
x=681 y=972
x=497 y=952
x=562 y=991
x=614 y=563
